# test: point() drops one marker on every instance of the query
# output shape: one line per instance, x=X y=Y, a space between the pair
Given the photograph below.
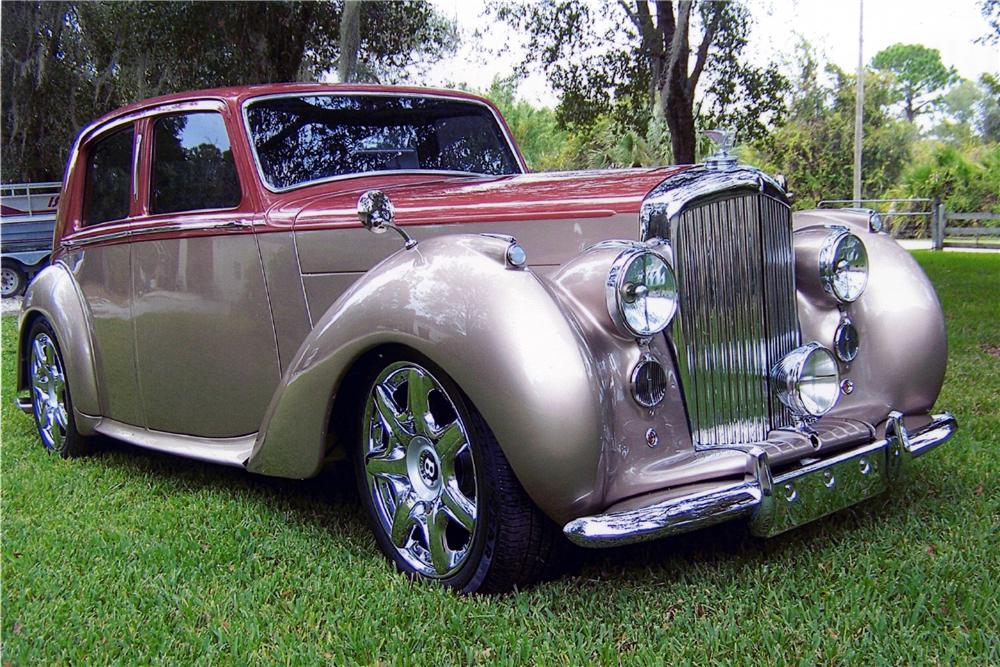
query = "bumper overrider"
x=773 y=503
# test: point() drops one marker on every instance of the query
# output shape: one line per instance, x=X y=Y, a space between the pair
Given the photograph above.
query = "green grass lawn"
x=132 y=556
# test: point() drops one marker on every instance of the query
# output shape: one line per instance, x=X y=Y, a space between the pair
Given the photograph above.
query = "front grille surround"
x=737 y=314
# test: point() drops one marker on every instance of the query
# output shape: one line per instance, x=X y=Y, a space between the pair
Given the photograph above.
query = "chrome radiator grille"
x=737 y=314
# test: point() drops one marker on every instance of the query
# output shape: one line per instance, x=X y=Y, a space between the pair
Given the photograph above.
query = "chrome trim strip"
x=70 y=243
x=135 y=166
x=23 y=403
x=229 y=225
x=769 y=499
x=518 y=158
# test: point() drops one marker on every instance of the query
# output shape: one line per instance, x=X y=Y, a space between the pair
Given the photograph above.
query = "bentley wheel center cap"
x=428 y=468
x=424 y=468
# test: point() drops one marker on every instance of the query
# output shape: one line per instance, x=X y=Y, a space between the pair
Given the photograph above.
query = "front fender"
x=53 y=294
x=903 y=345
x=500 y=333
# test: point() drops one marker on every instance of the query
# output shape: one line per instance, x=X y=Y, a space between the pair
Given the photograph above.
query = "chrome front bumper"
x=773 y=503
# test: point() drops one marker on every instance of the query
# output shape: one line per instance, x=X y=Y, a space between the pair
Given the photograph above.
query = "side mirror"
x=376 y=212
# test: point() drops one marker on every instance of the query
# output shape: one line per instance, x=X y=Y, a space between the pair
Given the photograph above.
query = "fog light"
x=649 y=383
x=807 y=381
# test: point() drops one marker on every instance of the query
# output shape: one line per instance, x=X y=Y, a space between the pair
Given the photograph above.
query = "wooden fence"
x=976 y=235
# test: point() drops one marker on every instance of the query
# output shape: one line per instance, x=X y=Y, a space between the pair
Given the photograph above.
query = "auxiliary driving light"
x=807 y=380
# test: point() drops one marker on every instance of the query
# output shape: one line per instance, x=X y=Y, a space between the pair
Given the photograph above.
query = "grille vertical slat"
x=737 y=314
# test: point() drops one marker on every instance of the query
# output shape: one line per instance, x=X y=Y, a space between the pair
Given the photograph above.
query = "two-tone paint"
x=230 y=336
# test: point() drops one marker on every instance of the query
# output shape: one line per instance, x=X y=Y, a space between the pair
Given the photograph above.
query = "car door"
x=205 y=345
x=100 y=258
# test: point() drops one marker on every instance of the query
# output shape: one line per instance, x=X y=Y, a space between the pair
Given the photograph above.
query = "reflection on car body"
x=603 y=356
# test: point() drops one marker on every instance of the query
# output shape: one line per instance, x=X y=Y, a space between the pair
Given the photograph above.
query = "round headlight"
x=642 y=293
x=807 y=381
x=843 y=266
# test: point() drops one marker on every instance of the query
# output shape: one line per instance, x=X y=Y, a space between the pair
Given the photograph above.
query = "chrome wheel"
x=420 y=470
x=48 y=392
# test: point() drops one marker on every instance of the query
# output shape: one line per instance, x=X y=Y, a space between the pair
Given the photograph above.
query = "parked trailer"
x=27 y=221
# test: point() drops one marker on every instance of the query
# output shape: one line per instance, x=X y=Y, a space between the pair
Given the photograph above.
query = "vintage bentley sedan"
x=511 y=359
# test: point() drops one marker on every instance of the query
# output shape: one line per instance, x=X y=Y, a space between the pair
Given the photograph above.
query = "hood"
x=430 y=199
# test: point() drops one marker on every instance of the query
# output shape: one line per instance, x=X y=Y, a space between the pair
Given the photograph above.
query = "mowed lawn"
x=130 y=556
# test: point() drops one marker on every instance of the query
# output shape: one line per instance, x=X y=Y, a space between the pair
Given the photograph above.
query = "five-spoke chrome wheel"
x=420 y=469
x=48 y=391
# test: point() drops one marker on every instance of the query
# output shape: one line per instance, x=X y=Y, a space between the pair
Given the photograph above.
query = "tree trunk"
x=350 y=41
x=679 y=114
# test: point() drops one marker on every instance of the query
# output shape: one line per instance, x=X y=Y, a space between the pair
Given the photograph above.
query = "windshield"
x=301 y=140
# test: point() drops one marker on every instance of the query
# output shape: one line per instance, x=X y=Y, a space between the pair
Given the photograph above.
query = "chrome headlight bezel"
x=619 y=289
x=831 y=266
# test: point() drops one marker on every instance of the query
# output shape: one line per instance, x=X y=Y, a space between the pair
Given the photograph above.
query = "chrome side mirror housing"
x=376 y=213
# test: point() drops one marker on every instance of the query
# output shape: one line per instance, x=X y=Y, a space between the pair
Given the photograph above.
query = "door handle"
x=237 y=224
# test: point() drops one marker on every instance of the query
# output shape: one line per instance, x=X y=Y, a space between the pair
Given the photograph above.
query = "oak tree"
x=630 y=58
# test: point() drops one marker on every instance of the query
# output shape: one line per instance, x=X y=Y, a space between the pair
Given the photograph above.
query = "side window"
x=193 y=167
x=109 y=179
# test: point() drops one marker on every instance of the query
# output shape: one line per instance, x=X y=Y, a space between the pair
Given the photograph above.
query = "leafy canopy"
x=623 y=60
x=918 y=72
x=64 y=63
x=814 y=147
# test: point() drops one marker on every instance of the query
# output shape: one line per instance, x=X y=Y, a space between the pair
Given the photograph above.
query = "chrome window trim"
x=99 y=129
x=136 y=158
x=106 y=133
x=518 y=158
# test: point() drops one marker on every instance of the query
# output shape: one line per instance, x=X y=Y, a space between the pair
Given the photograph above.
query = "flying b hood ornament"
x=724 y=139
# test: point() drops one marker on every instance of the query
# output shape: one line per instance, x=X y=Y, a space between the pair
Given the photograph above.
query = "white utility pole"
x=859 y=104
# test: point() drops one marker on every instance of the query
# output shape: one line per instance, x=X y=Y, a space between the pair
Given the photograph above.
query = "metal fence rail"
x=934 y=219
x=900 y=223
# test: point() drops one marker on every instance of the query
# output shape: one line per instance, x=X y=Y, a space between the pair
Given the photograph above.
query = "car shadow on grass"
x=330 y=501
x=729 y=550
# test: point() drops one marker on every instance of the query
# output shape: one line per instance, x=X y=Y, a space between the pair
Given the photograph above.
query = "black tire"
x=13 y=279
x=65 y=441
x=513 y=545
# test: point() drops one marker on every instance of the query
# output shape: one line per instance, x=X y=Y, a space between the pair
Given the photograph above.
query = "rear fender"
x=53 y=294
